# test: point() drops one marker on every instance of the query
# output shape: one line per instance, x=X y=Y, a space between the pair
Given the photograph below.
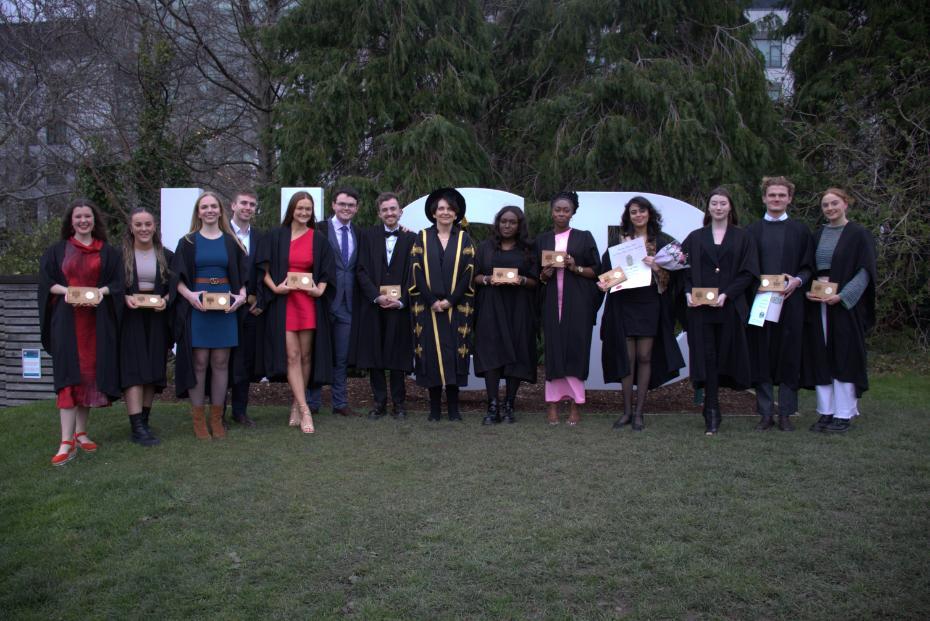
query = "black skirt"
x=639 y=310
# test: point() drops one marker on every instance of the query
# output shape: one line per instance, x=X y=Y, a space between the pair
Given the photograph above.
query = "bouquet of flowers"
x=671 y=257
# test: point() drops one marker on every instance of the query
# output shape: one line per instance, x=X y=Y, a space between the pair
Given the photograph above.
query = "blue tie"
x=345 y=244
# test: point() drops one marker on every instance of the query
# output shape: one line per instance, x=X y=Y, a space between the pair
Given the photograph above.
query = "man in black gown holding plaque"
x=786 y=257
x=381 y=332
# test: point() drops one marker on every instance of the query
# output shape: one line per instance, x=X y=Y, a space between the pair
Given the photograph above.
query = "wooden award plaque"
x=704 y=296
x=553 y=258
x=772 y=282
x=300 y=280
x=83 y=295
x=391 y=291
x=506 y=275
x=216 y=301
x=822 y=289
x=147 y=300
x=613 y=277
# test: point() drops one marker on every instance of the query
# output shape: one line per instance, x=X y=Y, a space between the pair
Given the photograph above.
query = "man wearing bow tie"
x=340 y=232
x=381 y=337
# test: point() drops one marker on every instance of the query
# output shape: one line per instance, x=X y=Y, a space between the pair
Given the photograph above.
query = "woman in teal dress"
x=208 y=259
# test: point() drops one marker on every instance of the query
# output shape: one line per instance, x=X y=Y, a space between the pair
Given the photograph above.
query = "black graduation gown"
x=666 y=356
x=381 y=338
x=738 y=262
x=273 y=258
x=844 y=355
x=442 y=341
x=248 y=347
x=775 y=348
x=568 y=342
x=183 y=269
x=56 y=318
x=505 y=317
x=145 y=337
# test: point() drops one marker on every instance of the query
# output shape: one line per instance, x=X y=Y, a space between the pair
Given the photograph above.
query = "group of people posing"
x=309 y=299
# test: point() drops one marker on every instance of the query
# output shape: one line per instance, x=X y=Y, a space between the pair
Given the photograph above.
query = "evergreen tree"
x=862 y=122
x=665 y=96
x=385 y=94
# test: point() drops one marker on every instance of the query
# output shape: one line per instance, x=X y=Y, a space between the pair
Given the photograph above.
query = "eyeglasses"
x=341 y=204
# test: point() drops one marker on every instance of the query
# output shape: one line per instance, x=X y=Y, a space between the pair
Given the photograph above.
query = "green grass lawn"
x=424 y=521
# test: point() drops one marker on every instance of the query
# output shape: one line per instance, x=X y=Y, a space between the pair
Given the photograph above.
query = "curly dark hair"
x=653 y=226
x=100 y=226
x=571 y=197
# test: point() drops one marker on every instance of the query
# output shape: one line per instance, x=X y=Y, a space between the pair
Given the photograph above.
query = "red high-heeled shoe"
x=85 y=445
x=60 y=459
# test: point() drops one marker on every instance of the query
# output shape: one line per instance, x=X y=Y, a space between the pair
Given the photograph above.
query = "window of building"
x=772 y=52
x=775 y=90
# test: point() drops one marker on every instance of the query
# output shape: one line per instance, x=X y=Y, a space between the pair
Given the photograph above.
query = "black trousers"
x=379 y=386
x=240 y=390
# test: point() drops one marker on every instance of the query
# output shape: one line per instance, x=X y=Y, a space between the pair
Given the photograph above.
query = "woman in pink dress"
x=570 y=299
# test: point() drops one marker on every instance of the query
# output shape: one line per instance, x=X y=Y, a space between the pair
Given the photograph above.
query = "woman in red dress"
x=79 y=332
x=296 y=240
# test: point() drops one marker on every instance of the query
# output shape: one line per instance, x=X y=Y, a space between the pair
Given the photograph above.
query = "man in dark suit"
x=342 y=237
x=244 y=206
x=382 y=338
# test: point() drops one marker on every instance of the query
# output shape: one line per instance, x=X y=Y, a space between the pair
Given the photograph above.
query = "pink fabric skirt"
x=565 y=388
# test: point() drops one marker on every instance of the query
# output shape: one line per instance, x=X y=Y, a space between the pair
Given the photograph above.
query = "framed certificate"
x=83 y=295
x=704 y=296
x=300 y=280
x=553 y=258
x=506 y=275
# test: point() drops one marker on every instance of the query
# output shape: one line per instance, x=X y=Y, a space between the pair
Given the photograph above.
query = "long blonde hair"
x=197 y=223
x=129 y=255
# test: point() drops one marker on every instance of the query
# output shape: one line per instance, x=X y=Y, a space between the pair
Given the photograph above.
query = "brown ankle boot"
x=200 y=423
x=216 y=421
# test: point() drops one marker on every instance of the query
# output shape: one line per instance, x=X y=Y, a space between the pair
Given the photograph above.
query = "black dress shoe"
x=492 y=417
x=433 y=418
x=784 y=423
x=400 y=412
x=623 y=421
x=822 y=422
x=766 y=423
x=838 y=425
x=244 y=420
x=346 y=411
x=508 y=416
x=377 y=413
x=638 y=422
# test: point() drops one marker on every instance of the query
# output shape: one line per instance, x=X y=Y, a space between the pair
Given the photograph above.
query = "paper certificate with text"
x=629 y=257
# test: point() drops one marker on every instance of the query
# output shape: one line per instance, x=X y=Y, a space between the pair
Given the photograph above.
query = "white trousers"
x=839 y=398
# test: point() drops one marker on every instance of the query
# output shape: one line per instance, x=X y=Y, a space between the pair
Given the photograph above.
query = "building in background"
x=767 y=18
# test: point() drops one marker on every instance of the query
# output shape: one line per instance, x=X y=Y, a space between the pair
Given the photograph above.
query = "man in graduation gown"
x=785 y=247
x=382 y=338
x=342 y=237
x=244 y=207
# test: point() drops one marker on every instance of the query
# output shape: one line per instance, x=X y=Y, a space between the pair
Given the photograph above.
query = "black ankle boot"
x=145 y=419
x=141 y=435
x=711 y=421
x=508 y=412
x=492 y=417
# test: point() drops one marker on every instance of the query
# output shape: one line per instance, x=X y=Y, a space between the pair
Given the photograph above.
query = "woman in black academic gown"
x=442 y=301
x=834 y=356
x=721 y=256
x=637 y=331
x=81 y=336
x=145 y=337
x=570 y=299
x=209 y=259
x=505 y=322
x=297 y=342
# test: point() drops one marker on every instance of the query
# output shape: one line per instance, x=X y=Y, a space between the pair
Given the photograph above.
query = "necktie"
x=345 y=244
